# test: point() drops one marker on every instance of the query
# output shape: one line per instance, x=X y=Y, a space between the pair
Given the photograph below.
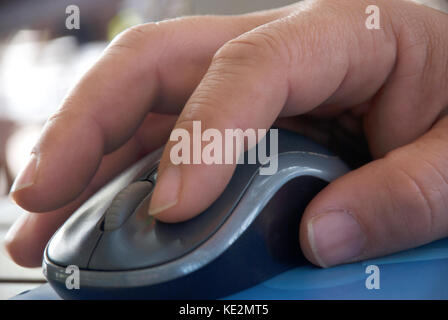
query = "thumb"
x=390 y=204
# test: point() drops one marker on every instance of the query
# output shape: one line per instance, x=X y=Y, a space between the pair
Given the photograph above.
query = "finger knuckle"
x=136 y=36
x=423 y=201
x=251 y=48
x=203 y=107
x=423 y=191
x=423 y=48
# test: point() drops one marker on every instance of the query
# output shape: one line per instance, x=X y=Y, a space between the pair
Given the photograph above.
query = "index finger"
x=312 y=58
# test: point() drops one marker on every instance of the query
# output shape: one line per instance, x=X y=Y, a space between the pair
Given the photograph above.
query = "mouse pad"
x=420 y=273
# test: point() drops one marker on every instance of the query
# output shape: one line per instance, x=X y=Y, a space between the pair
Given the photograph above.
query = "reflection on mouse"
x=249 y=234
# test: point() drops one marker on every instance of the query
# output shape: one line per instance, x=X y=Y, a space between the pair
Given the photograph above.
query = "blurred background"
x=40 y=60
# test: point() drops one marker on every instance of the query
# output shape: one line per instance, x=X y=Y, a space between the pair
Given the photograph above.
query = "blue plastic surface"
x=420 y=273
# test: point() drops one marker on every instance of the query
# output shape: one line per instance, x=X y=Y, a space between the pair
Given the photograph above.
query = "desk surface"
x=420 y=273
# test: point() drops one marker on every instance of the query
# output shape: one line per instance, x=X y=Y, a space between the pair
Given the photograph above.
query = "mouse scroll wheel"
x=125 y=203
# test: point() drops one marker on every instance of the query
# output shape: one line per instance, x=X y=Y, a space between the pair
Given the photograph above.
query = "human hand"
x=315 y=58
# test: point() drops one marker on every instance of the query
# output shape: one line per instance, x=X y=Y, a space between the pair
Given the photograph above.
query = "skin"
x=299 y=66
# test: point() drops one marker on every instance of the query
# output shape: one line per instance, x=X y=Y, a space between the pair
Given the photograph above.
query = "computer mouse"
x=248 y=235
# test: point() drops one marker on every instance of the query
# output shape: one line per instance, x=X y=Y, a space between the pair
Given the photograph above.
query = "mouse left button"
x=125 y=203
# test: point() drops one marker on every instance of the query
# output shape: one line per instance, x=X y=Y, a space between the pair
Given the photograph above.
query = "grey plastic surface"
x=143 y=252
x=142 y=242
x=74 y=242
x=125 y=203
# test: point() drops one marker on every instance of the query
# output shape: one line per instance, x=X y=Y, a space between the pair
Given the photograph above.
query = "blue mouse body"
x=249 y=234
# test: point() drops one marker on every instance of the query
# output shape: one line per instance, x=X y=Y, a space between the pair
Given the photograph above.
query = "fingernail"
x=27 y=176
x=335 y=238
x=15 y=228
x=11 y=237
x=166 y=192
